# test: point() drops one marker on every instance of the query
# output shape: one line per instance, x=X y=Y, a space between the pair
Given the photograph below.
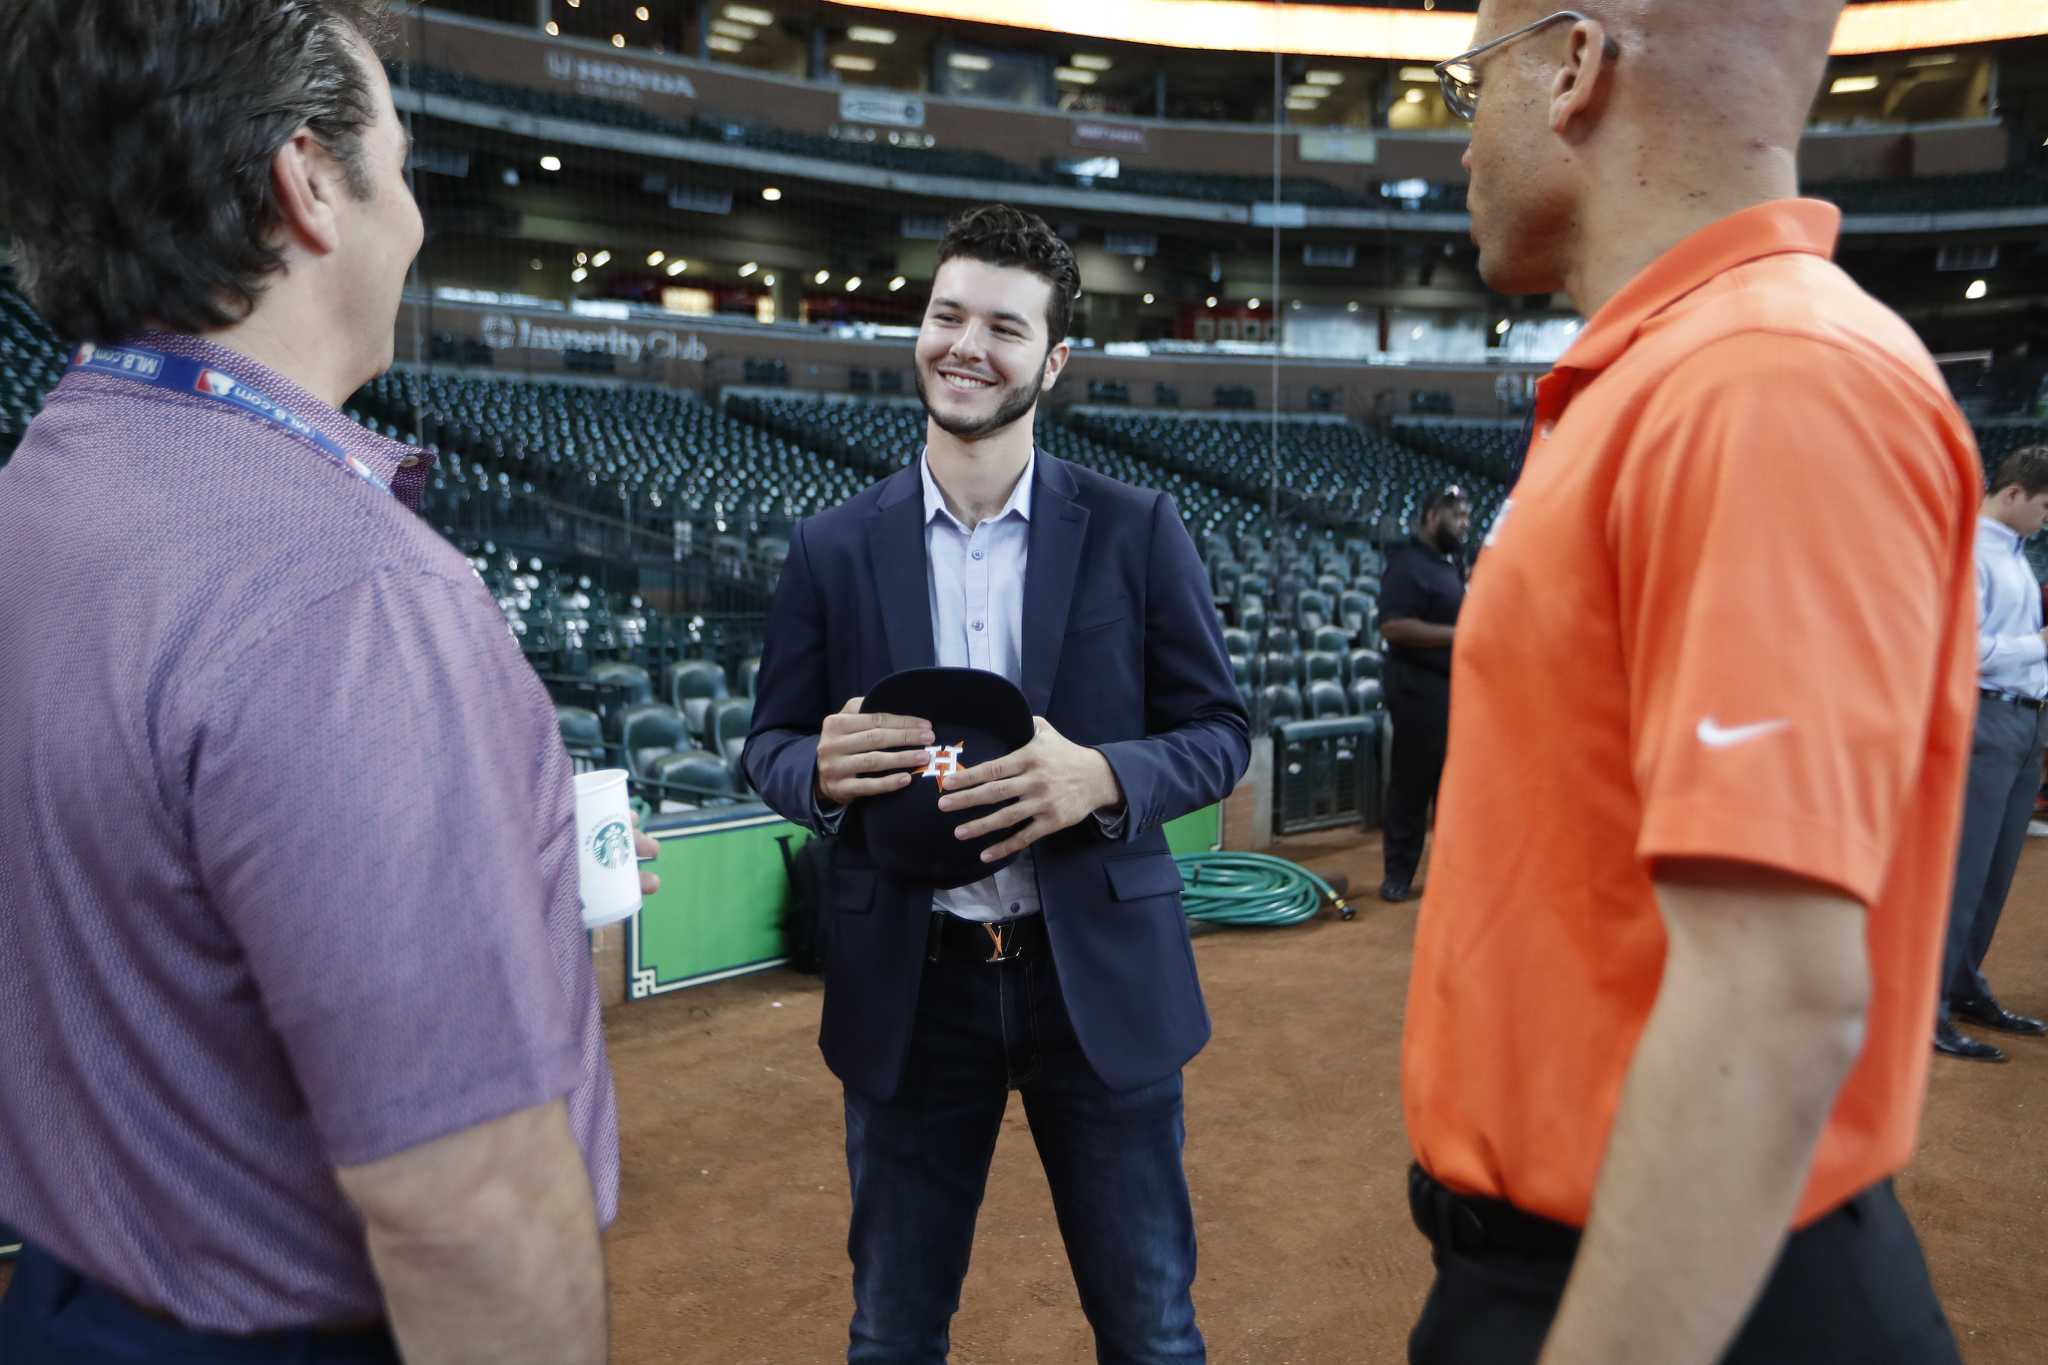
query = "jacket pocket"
x=1143 y=877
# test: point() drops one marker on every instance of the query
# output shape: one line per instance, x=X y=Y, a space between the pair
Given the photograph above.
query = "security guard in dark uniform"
x=1420 y=594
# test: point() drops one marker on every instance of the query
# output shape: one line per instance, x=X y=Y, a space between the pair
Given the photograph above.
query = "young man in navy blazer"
x=1067 y=975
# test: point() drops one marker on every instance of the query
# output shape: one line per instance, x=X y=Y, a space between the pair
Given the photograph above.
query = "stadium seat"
x=728 y=727
x=1366 y=695
x=693 y=685
x=1279 y=668
x=1331 y=640
x=1326 y=700
x=629 y=680
x=582 y=736
x=1322 y=667
x=1362 y=663
x=693 y=776
x=648 y=731
x=1280 y=703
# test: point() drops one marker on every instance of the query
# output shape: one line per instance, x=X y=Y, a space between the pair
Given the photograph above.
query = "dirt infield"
x=730 y=1246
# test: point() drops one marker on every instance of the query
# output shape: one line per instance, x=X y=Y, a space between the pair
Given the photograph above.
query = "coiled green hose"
x=1253 y=889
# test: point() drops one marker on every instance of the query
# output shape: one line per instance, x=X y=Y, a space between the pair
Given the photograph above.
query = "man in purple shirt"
x=302 y=1057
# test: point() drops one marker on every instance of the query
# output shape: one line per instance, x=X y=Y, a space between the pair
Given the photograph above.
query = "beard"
x=1012 y=404
x=1447 y=541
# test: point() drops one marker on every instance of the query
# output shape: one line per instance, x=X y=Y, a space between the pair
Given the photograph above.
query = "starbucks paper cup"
x=608 y=872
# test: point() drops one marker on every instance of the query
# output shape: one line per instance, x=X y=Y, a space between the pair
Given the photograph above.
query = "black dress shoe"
x=1992 y=1015
x=1950 y=1043
x=1394 y=891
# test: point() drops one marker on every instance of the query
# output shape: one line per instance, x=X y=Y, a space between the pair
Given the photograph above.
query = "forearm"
x=1719 y=1117
x=494 y=1259
x=1418 y=635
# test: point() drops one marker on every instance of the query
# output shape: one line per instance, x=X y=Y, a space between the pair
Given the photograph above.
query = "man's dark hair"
x=136 y=141
x=997 y=234
x=2026 y=468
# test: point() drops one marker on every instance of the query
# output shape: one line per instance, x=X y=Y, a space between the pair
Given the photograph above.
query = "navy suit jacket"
x=1122 y=652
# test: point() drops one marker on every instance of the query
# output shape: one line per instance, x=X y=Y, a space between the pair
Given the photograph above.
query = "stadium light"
x=1308 y=92
x=583 y=258
x=1331 y=77
x=1253 y=305
x=726 y=28
x=1301 y=106
x=1351 y=307
x=1414 y=97
x=579 y=274
x=718 y=42
x=1148 y=298
x=1090 y=61
x=1977 y=290
x=749 y=268
x=1853 y=85
x=852 y=61
x=1500 y=329
x=863 y=33
x=1420 y=75
x=1073 y=75
x=852 y=284
x=897 y=284
x=969 y=61
x=642 y=14
x=747 y=14
x=1212 y=300
x=656 y=257
x=771 y=194
x=618 y=40
x=554 y=29
x=822 y=277
x=677 y=266
x=768 y=280
x=551 y=163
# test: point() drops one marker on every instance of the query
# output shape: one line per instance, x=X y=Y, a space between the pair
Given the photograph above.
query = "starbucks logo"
x=612 y=845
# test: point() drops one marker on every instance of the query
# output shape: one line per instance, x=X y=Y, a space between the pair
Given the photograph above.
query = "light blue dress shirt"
x=977 y=595
x=976 y=587
x=2010 y=654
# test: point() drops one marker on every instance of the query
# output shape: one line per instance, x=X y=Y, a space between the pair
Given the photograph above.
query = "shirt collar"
x=2001 y=535
x=403 y=467
x=1805 y=226
x=935 y=501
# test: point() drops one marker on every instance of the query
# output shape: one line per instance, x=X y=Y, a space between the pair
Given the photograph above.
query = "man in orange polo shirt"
x=1667 y=1032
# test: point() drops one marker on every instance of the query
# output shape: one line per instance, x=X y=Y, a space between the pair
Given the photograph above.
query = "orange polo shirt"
x=1729 y=613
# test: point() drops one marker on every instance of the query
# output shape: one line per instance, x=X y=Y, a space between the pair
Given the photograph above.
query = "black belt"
x=953 y=939
x=1472 y=1226
x=2031 y=703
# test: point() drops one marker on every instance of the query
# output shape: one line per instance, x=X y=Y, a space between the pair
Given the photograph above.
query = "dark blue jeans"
x=920 y=1161
x=52 y=1315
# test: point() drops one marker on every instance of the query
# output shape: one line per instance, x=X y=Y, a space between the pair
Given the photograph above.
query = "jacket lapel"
x=1059 y=527
x=896 y=557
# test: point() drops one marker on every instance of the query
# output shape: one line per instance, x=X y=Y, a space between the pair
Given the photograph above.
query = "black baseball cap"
x=976 y=716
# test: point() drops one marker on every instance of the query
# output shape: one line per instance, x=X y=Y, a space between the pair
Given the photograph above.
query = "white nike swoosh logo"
x=1715 y=736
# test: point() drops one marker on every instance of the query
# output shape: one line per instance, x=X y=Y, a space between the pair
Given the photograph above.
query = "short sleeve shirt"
x=1727 y=615
x=287 y=851
x=1422 y=584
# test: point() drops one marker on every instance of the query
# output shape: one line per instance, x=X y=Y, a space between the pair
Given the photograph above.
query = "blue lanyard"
x=180 y=374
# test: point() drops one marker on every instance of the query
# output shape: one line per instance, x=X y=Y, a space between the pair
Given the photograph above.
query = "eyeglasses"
x=1460 y=75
